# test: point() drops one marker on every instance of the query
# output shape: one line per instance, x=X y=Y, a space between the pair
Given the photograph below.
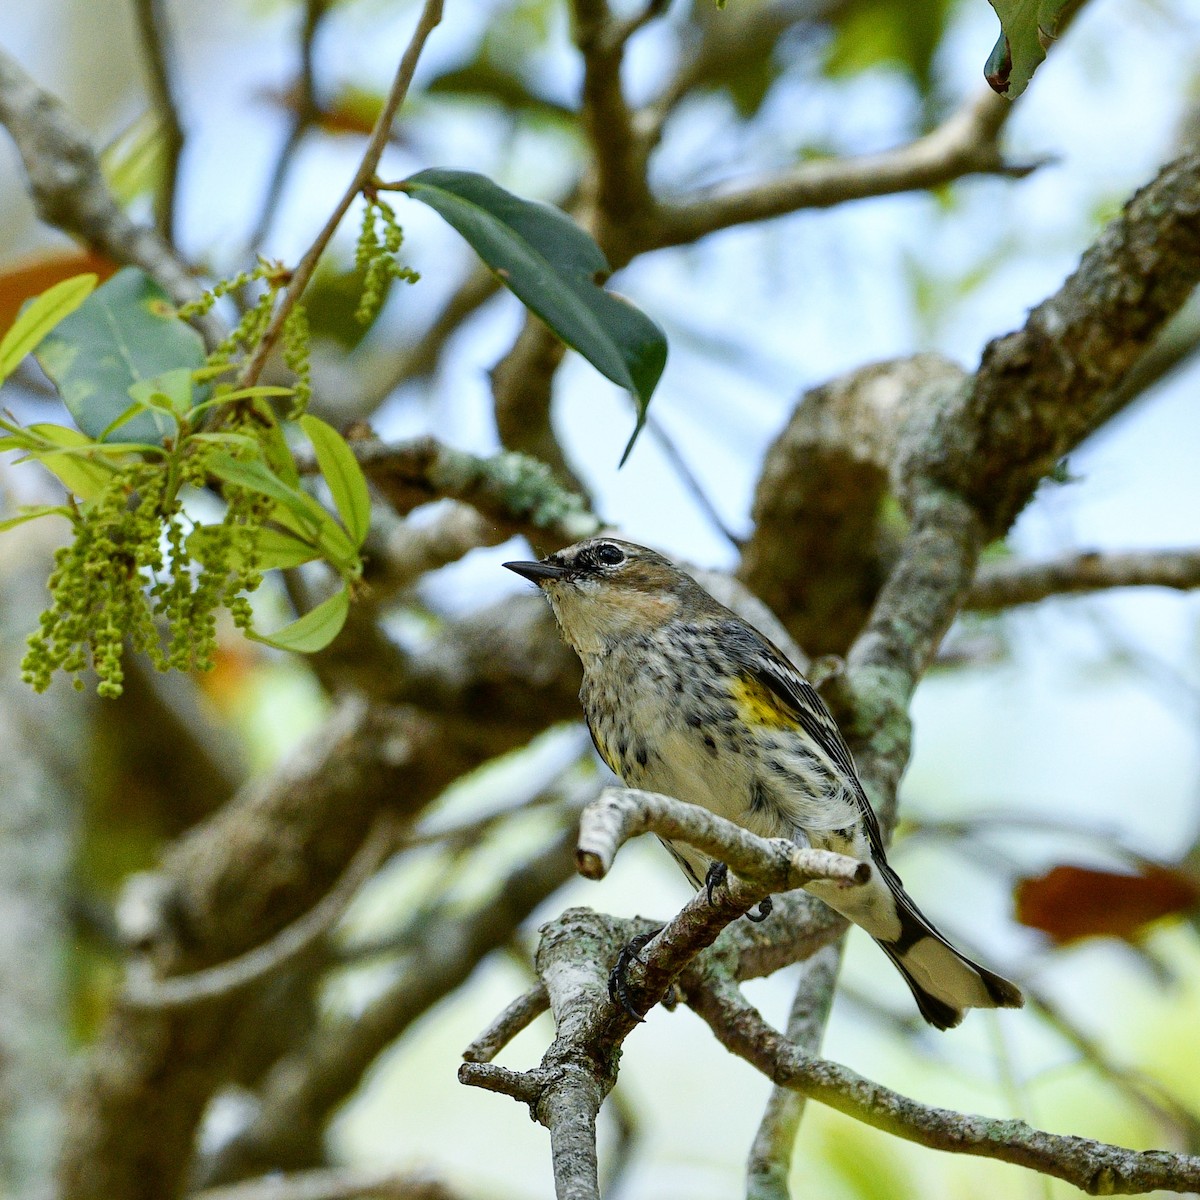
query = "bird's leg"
x=717 y=874
x=618 y=984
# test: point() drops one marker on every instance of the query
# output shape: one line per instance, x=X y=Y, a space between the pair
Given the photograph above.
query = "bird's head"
x=604 y=590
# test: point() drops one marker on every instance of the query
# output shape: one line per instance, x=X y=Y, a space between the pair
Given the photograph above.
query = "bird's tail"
x=944 y=982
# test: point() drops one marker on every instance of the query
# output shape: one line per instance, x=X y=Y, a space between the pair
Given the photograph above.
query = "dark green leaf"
x=347 y=484
x=541 y=255
x=1027 y=29
x=126 y=333
x=313 y=631
x=39 y=317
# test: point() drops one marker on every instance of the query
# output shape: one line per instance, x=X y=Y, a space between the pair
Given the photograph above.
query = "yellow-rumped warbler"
x=684 y=697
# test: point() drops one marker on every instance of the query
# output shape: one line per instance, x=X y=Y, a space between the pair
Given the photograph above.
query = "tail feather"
x=943 y=981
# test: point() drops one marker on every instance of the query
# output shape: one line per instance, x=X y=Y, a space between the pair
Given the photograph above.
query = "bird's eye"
x=609 y=554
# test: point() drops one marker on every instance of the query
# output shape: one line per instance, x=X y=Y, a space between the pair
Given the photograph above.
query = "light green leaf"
x=313 y=631
x=32 y=514
x=347 y=484
x=86 y=477
x=39 y=317
x=554 y=268
x=124 y=334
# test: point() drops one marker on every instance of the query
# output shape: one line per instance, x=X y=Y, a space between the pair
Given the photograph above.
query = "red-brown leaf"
x=1070 y=903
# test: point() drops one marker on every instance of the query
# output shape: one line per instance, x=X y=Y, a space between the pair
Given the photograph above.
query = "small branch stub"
x=775 y=864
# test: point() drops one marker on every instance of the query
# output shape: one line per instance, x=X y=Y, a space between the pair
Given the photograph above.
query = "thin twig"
x=965 y=144
x=341 y=1183
x=770 y=1159
x=431 y=15
x=519 y=1015
x=690 y=482
x=305 y=113
x=156 y=49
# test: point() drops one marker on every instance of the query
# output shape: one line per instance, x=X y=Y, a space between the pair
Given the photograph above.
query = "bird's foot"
x=764 y=910
x=618 y=982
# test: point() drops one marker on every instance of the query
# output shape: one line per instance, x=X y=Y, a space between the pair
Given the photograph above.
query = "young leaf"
x=124 y=334
x=313 y=631
x=347 y=484
x=312 y=519
x=39 y=317
x=174 y=385
x=553 y=267
x=32 y=514
x=273 y=548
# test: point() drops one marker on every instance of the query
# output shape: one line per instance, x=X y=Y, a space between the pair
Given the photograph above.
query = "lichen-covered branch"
x=1041 y=390
x=519 y=493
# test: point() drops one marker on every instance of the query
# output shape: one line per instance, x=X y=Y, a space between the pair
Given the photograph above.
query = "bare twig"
x=431 y=14
x=1009 y=582
x=1094 y=1167
x=772 y=864
x=690 y=481
x=156 y=49
x=304 y=113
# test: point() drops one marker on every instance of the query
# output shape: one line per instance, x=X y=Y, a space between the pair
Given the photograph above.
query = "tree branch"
x=1009 y=582
x=70 y=193
x=770 y=1159
x=965 y=144
x=1094 y=1167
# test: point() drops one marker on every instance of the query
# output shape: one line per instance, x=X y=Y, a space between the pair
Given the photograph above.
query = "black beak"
x=537 y=572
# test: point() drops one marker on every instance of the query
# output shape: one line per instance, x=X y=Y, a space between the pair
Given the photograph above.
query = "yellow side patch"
x=757 y=705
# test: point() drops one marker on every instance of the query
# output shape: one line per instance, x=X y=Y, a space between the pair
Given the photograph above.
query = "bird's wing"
x=795 y=700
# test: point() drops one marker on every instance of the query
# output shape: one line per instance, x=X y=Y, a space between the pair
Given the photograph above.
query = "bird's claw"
x=764 y=910
x=618 y=984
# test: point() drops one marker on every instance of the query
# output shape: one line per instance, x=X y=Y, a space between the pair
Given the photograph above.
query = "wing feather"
x=769 y=667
